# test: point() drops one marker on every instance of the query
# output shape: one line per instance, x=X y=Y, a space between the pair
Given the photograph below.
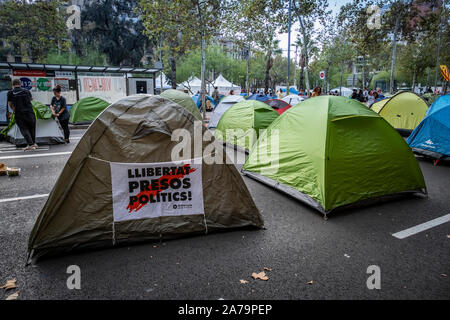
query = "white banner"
x=150 y=190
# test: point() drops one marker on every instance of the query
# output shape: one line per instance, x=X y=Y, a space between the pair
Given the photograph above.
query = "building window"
x=18 y=59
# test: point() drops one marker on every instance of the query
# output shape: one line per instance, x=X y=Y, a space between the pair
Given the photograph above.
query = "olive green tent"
x=240 y=125
x=184 y=100
x=404 y=111
x=87 y=110
x=96 y=200
x=47 y=129
x=331 y=152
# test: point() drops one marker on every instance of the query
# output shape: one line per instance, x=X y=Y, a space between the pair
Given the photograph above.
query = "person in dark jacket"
x=59 y=110
x=19 y=100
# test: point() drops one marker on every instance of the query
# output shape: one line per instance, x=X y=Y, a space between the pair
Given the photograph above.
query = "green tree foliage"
x=33 y=28
x=217 y=61
x=366 y=39
x=92 y=57
x=256 y=22
x=115 y=29
x=179 y=25
x=307 y=13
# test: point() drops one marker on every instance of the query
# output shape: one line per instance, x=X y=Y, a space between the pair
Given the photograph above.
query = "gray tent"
x=225 y=104
x=47 y=132
x=84 y=209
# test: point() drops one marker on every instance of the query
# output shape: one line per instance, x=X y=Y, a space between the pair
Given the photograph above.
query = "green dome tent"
x=332 y=152
x=184 y=100
x=404 y=111
x=87 y=110
x=240 y=125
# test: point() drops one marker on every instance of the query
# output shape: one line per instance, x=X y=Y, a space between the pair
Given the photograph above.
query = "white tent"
x=345 y=91
x=293 y=99
x=224 y=86
x=193 y=85
x=47 y=132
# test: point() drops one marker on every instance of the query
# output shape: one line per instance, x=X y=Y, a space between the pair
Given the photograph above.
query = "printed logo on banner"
x=151 y=190
x=43 y=84
x=26 y=83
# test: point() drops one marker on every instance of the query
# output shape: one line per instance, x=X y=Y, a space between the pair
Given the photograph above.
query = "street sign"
x=322 y=75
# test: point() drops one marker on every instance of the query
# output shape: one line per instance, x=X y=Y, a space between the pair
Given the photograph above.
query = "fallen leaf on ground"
x=13 y=296
x=10 y=284
x=346 y=255
x=311 y=282
x=444 y=275
x=261 y=276
x=448 y=236
x=267 y=269
x=243 y=281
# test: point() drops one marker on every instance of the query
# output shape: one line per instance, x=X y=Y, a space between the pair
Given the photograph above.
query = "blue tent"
x=258 y=97
x=198 y=102
x=291 y=90
x=432 y=135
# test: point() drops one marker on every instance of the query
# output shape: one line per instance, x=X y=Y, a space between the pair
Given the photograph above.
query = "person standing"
x=215 y=96
x=361 y=96
x=19 y=100
x=365 y=94
x=59 y=110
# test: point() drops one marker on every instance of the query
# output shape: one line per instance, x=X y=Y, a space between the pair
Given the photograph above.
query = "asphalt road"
x=298 y=245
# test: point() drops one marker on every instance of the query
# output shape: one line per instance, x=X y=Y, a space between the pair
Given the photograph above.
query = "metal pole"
x=439 y=46
x=289 y=50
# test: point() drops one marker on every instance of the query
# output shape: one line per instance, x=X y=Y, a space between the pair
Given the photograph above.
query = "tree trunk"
x=364 y=71
x=414 y=80
x=342 y=75
x=269 y=65
x=305 y=52
x=394 y=55
x=247 y=83
x=173 y=72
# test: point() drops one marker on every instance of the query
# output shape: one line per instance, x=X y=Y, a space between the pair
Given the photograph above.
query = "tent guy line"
x=24 y=198
x=421 y=227
x=35 y=155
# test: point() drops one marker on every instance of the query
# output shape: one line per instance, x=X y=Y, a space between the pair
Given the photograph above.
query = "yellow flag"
x=445 y=72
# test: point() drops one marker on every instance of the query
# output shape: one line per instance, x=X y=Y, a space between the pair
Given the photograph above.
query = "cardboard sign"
x=151 y=190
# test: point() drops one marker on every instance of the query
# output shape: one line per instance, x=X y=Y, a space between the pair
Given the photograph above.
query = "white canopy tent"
x=193 y=85
x=224 y=86
x=345 y=91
